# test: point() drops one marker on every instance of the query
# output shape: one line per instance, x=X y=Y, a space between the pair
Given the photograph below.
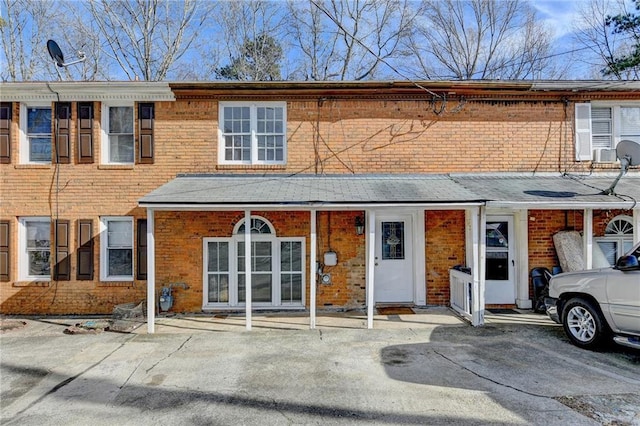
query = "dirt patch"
x=620 y=409
x=8 y=325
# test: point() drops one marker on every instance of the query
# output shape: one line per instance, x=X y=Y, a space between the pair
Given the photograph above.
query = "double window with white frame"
x=252 y=133
x=34 y=244
x=118 y=133
x=116 y=248
x=277 y=269
x=35 y=133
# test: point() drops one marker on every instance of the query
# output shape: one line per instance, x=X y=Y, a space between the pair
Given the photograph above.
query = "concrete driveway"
x=425 y=368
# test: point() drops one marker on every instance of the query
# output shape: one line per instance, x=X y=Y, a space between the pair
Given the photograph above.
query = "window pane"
x=39 y=121
x=120 y=262
x=218 y=290
x=39 y=149
x=119 y=234
x=38 y=234
x=609 y=250
x=39 y=263
x=497 y=266
x=218 y=257
x=392 y=240
x=121 y=148
x=630 y=121
x=121 y=119
x=260 y=288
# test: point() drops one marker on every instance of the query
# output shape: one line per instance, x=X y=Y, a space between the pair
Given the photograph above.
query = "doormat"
x=502 y=311
x=398 y=310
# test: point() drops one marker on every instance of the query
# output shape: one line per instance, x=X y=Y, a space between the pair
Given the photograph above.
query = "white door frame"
x=512 y=241
x=418 y=248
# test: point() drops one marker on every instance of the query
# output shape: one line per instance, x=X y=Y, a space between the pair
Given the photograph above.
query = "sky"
x=561 y=15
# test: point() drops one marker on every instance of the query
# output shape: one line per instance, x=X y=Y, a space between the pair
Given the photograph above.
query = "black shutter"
x=5 y=132
x=85 y=249
x=145 y=127
x=5 y=272
x=85 y=132
x=62 y=269
x=141 y=264
x=63 y=133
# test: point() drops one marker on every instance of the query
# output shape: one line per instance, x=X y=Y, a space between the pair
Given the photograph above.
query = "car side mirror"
x=627 y=263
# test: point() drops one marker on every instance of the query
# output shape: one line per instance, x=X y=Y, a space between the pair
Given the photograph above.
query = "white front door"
x=500 y=266
x=394 y=259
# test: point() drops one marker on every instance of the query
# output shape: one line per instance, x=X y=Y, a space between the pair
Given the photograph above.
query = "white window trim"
x=618 y=239
x=104 y=134
x=23 y=259
x=104 y=267
x=24 y=140
x=276 y=295
x=254 y=141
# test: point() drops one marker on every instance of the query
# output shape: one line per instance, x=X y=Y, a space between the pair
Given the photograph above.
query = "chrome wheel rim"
x=581 y=324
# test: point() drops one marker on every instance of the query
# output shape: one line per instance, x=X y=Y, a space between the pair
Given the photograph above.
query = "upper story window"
x=252 y=133
x=35 y=126
x=601 y=126
x=117 y=124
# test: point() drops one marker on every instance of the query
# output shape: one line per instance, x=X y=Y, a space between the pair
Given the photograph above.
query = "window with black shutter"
x=62 y=136
x=5 y=272
x=141 y=264
x=62 y=269
x=85 y=132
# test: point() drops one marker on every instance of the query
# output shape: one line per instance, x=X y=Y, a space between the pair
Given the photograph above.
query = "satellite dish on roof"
x=628 y=152
x=56 y=54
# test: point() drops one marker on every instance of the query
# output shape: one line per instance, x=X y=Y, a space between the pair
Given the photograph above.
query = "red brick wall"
x=349 y=136
x=445 y=248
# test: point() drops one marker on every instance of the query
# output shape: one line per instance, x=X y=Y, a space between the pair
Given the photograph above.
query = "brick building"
x=111 y=191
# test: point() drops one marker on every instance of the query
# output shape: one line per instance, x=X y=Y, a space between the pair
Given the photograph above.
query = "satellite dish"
x=56 y=54
x=628 y=152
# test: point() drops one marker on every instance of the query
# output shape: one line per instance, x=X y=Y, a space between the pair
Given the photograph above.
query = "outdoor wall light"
x=359 y=225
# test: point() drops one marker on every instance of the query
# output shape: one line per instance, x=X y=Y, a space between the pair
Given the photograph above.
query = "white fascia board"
x=86 y=91
x=304 y=207
x=560 y=205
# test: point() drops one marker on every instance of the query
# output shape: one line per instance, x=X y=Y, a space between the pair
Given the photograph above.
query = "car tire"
x=584 y=325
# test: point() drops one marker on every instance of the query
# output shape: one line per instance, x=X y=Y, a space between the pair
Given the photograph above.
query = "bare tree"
x=599 y=42
x=481 y=39
x=348 y=39
x=252 y=35
x=146 y=37
x=24 y=33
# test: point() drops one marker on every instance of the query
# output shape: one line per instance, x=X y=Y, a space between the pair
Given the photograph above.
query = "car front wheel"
x=583 y=323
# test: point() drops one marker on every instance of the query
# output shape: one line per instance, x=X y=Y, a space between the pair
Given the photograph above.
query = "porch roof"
x=308 y=190
x=553 y=191
x=545 y=191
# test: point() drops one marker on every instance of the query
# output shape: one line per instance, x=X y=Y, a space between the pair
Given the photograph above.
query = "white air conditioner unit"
x=604 y=155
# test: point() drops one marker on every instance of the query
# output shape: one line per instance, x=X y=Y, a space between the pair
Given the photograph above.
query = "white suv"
x=597 y=304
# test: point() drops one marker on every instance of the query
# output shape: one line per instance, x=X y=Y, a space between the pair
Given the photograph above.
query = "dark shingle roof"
x=544 y=191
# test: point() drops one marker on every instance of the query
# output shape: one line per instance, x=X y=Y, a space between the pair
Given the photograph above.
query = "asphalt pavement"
x=427 y=368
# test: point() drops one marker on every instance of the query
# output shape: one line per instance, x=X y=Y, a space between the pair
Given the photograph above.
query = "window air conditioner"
x=604 y=155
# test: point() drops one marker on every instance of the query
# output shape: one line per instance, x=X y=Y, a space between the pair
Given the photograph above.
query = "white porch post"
x=587 y=226
x=151 y=273
x=312 y=270
x=478 y=227
x=522 y=259
x=370 y=264
x=636 y=225
x=247 y=266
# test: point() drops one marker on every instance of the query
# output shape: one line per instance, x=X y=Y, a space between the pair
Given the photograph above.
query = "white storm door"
x=500 y=285
x=394 y=259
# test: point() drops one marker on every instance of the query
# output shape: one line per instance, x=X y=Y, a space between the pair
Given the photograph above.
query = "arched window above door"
x=259 y=225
